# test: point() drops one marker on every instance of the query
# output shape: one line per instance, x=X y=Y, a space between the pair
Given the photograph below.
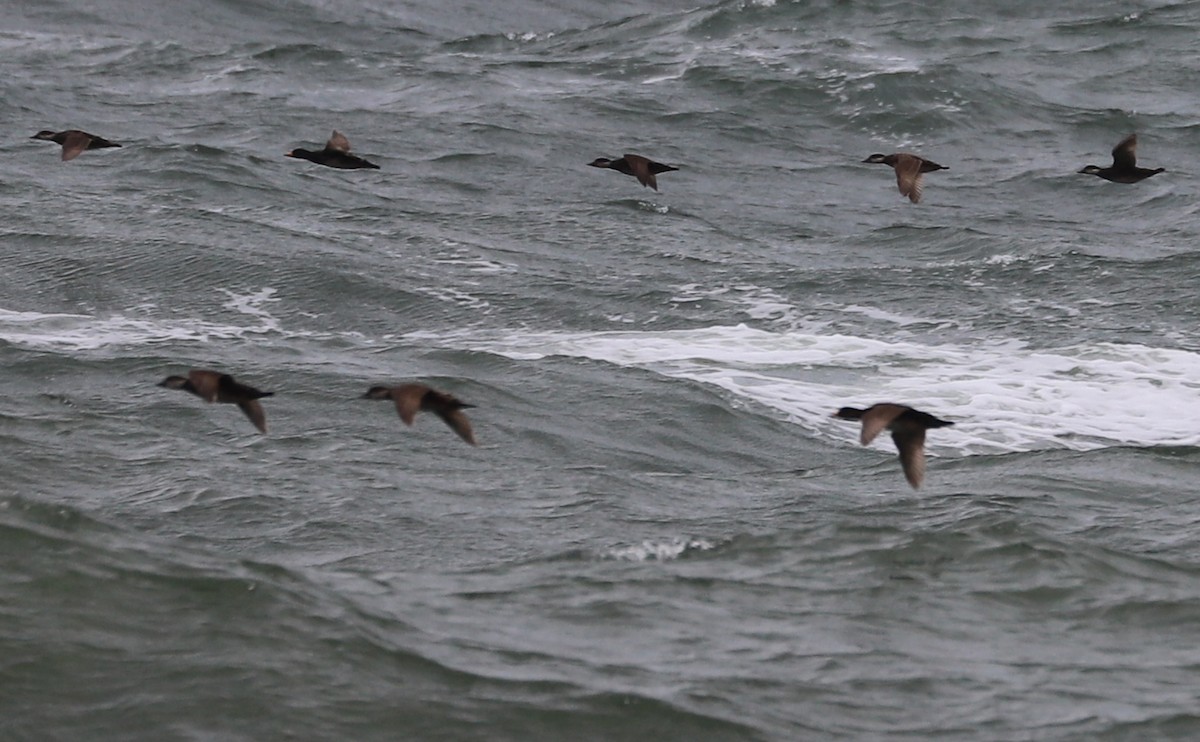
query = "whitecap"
x=82 y=332
x=659 y=551
x=884 y=315
x=74 y=332
x=1004 y=395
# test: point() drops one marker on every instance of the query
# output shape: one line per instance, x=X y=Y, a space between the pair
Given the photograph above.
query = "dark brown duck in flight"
x=639 y=167
x=413 y=398
x=336 y=154
x=909 y=168
x=1124 y=168
x=908 y=428
x=214 y=386
x=74 y=141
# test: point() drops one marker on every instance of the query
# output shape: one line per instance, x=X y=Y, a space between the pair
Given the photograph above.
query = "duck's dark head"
x=43 y=134
x=877 y=159
x=1091 y=170
x=377 y=392
x=849 y=413
x=601 y=162
x=175 y=382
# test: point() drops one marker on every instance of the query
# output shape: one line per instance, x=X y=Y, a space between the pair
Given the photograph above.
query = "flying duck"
x=909 y=168
x=908 y=428
x=74 y=141
x=1124 y=168
x=639 y=167
x=413 y=398
x=214 y=386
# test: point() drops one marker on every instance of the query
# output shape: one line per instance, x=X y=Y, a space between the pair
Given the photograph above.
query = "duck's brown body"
x=74 y=142
x=413 y=398
x=214 y=386
x=908 y=428
x=909 y=169
x=642 y=168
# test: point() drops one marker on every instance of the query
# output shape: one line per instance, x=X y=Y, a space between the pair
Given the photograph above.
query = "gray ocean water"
x=663 y=533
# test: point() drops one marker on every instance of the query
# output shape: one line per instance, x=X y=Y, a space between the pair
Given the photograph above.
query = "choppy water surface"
x=663 y=533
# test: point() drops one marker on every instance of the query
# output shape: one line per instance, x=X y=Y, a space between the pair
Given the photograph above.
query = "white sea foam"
x=529 y=36
x=1005 y=396
x=883 y=64
x=454 y=296
x=82 y=332
x=883 y=314
x=755 y=301
x=658 y=550
x=479 y=265
x=252 y=304
x=66 y=332
x=681 y=70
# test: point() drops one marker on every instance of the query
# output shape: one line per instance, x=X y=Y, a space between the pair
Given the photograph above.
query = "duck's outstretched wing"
x=1125 y=153
x=640 y=167
x=459 y=423
x=74 y=144
x=254 y=411
x=908 y=177
x=876 y=418
x=911 y=444
x=408 y=400
x=338 y=142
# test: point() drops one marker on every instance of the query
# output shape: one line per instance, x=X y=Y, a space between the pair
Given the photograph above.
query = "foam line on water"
x=1003 y=395
x=81 y=332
